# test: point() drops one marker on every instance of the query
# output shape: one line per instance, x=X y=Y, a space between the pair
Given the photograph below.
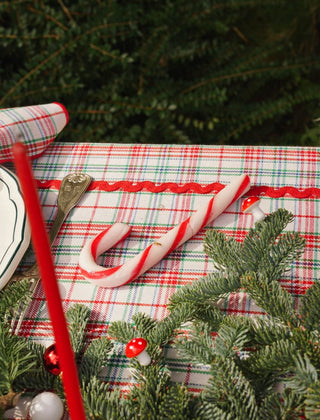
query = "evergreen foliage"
x=203 y=72
x=250 y=358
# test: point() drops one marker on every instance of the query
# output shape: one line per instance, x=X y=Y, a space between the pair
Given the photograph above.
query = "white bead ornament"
x=130 y=270
x=46 y=406
x=20 y=411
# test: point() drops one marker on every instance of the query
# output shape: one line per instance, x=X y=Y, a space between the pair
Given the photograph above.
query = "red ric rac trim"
x=190 y=187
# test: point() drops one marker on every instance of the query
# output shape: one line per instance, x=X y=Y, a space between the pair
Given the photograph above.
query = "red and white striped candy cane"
x=120 y=275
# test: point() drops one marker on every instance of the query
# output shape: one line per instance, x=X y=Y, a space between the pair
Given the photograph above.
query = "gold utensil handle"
x=72 y=188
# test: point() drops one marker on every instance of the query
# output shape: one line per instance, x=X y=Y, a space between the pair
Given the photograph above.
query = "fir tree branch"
x=270 y=296
x=261 y=239
x=94 y=358
x=308 y=343
x=312 y=402
x=276 y=358
x=165 y=328
x=175 y=404
x=38 y=378
x=287 y=405
x=285 y=251
x=208 y=312
x=262 y=331
x=15 y=359
x=209 y=410
x=195 y=352
x=150 y=391
x=231 y=340
x=247 y=356
x=11 y=296
x=144 y=324
x=225 y=252
x=230 y=390
x=304 y=374
x=77 y=317
x=309 y=309
x=101 y=404
x=199 y=346
x=122 y=331
x=210 y=288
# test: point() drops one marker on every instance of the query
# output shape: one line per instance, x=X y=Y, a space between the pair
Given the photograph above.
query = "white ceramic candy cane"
x=122 y=274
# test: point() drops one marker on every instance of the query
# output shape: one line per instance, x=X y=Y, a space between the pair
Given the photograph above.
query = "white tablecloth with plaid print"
x=153 y=188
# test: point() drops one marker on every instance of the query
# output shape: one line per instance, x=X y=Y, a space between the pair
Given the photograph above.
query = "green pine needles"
x=261 y=367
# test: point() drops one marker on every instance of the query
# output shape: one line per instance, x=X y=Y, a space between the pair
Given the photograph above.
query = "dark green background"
x=181 y=71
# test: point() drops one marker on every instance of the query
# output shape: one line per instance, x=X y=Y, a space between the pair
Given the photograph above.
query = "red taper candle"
x=42 y=250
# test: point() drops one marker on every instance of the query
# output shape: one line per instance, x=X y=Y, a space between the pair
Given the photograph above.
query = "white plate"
x=14 y=227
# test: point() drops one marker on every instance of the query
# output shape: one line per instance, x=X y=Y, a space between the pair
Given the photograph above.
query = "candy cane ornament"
x=154 y=253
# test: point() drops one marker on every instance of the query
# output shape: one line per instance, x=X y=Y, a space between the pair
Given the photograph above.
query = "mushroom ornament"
x=136 y=348
x=251 y=205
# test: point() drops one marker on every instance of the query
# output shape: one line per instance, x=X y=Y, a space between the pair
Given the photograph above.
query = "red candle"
x=42 y=250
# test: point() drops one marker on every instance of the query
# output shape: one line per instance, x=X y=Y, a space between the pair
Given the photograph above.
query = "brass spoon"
x=72 y=188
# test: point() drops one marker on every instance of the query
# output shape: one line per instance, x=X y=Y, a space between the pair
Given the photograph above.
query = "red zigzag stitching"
x=190 y=187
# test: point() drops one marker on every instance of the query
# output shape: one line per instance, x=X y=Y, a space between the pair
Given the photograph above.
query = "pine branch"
x=270 y=296
x=77 y=317
x=11 y=296
x=225 y=252
x=248 y=356
x=156 y=397
x=261 y=251
x=229 y=390
x=286 y=406
x=165 y=328
x=38 y=378
x=147 y=395
x=263 y=331
x=122 y=331
x=231 y=340
x=276 y=359
x=101 y=404
x=176 y=404
x=144 y=324
x=94 y=358
x=260 y=240
x=312 y=402
x=194 y=352
x=209 y=313
x=209 y=411
x=307 y=342
x=304 y=375
x=309 y=309
x=199 y=345
x=210 y=288
x=15 y=359
x=288 y=248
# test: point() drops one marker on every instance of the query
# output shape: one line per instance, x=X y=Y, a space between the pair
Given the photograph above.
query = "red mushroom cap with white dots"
x=135 y=347
x=249 y=203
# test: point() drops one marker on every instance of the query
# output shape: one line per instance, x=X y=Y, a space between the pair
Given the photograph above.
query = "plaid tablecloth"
x=154 y=207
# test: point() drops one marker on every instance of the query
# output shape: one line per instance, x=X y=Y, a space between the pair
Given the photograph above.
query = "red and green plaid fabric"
x=152 y=213
x=36 y=126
